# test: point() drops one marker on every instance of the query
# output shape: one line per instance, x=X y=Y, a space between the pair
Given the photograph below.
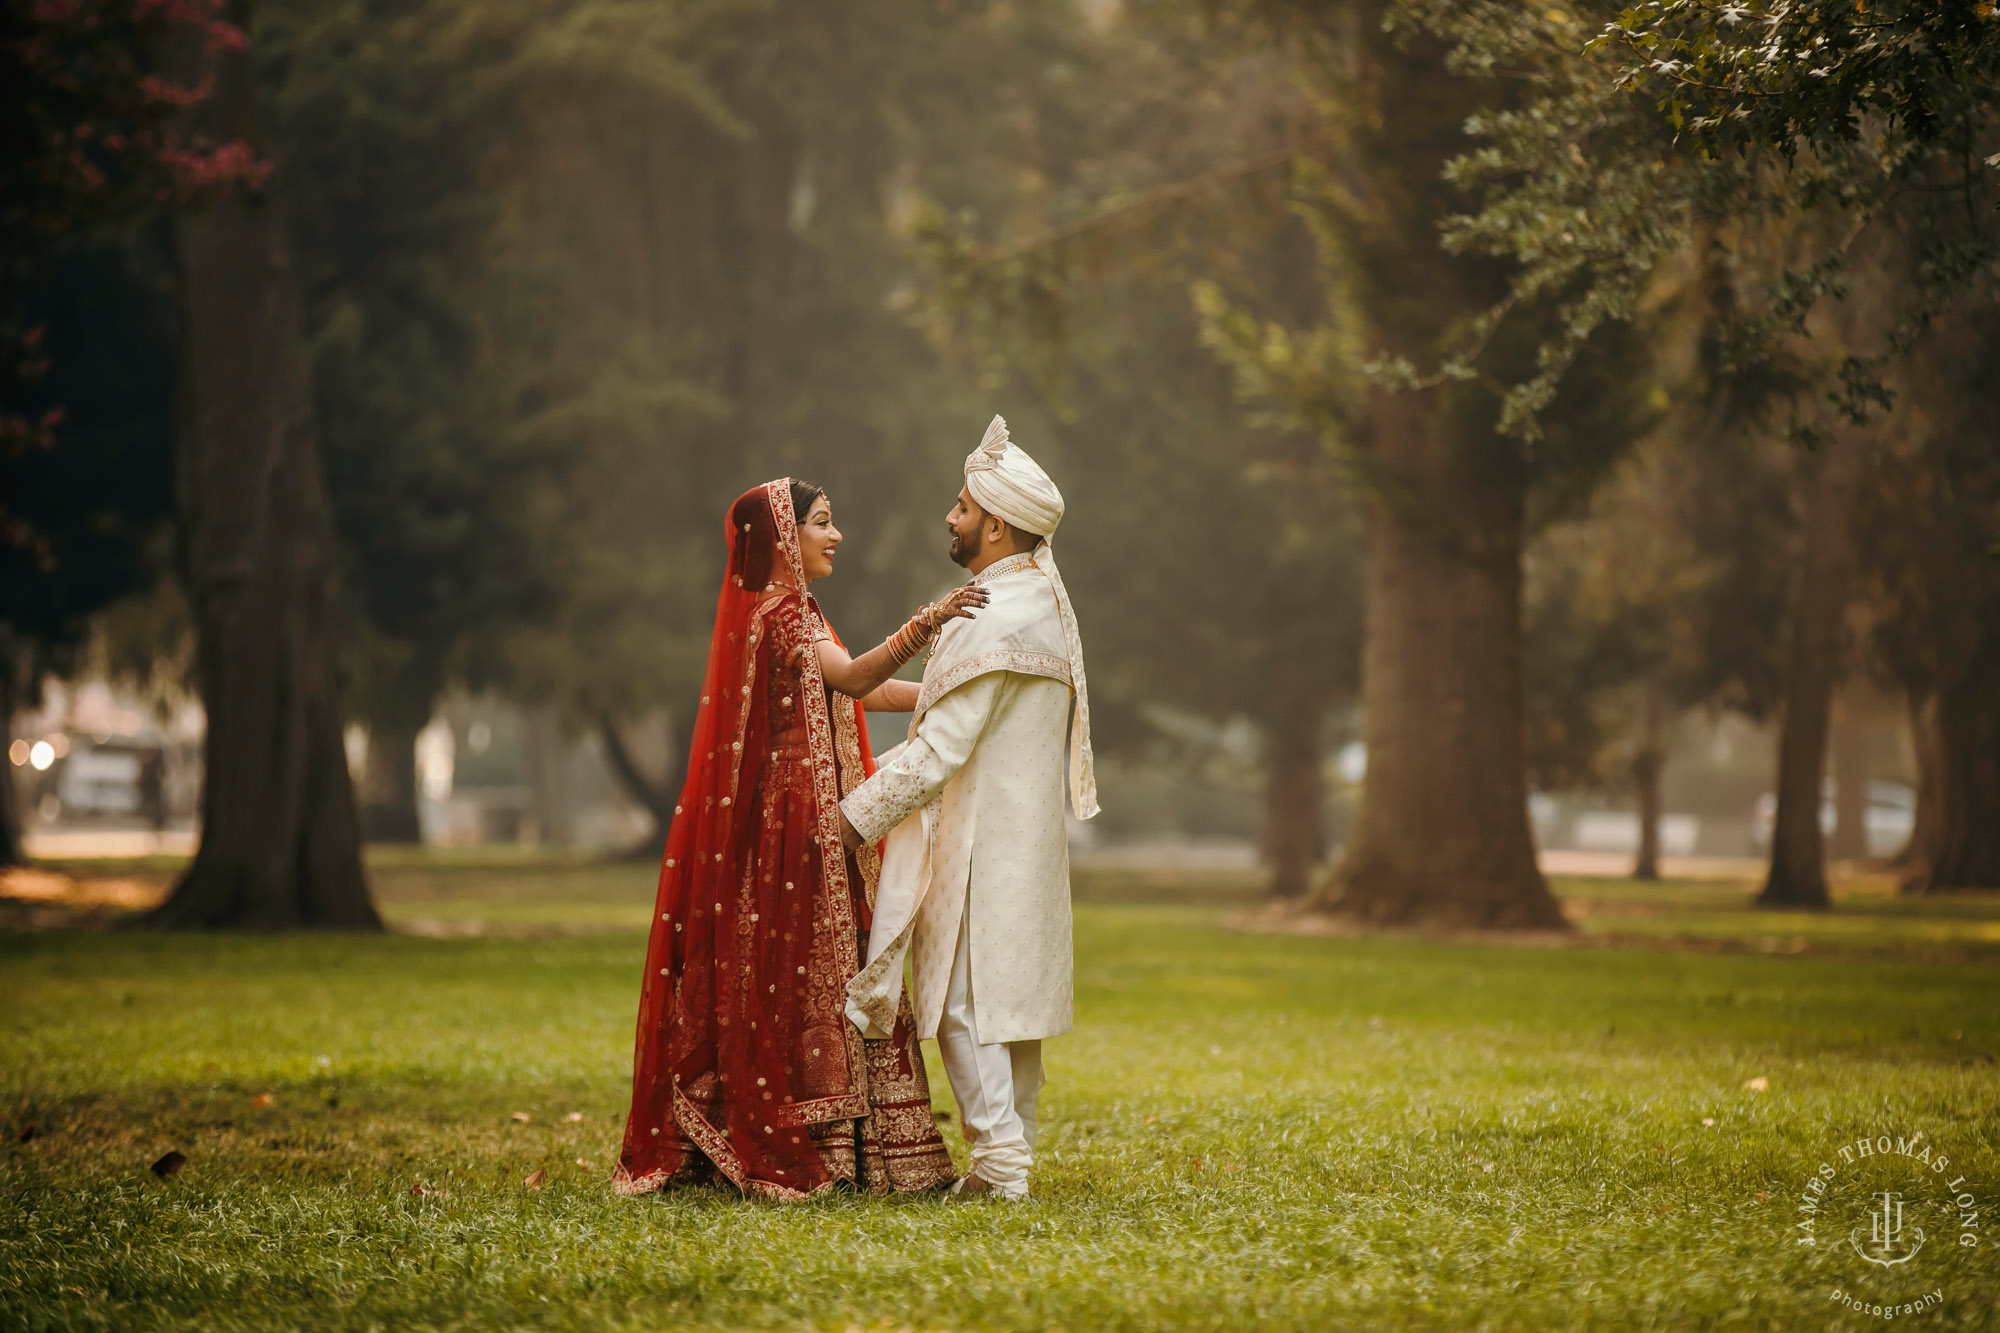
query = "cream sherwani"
x=972 y=805
x=975 y=865
x=975 y=869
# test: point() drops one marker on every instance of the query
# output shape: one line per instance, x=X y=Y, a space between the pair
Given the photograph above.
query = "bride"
x=745 y=1063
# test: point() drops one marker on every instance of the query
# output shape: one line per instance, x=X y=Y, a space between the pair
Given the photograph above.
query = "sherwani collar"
x=1005 y=565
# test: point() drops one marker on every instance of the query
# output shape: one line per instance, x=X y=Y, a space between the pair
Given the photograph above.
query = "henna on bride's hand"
x=961 y=602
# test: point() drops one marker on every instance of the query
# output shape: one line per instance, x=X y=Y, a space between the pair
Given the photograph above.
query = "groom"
x=975 y=869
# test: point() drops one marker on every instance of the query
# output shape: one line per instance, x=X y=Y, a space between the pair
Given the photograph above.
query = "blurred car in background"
x=100 y=778
x=1892 y=815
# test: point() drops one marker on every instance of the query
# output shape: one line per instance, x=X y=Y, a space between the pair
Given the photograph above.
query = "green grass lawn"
x=1245 y=1131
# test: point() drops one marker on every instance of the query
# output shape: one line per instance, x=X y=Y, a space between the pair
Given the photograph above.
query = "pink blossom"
x=226 y=37
x=156 y=89
x=232 y=162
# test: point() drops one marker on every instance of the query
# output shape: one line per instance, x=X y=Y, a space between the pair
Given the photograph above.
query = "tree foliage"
x=1638 y=129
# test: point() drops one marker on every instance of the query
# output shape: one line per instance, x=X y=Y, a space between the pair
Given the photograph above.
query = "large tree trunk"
x=1850 y=781
x=280 y=844
x=1797 y=875
x=11 y=850
x=1294 y=832
x=1441 y=837
x=1646 y=768
x=1965 y=847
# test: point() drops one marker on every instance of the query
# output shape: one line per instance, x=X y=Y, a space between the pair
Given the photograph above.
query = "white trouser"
x=996 y=1085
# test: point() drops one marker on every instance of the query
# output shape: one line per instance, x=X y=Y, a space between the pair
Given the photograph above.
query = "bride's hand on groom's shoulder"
x=961 y=603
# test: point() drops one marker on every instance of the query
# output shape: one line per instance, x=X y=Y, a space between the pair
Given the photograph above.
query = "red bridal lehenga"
x=745 y=1063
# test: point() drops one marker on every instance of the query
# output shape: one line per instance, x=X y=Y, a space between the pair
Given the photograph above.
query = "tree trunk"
x=1646 y=768
x=1797 y=875
x=280 y=841
x=548 y=787
x=1915 y=858
x=1850 y=783
x=1441 y=837
x=1965 y=850
x=1294 y=833
x=654 y=797
x=396 y=702
x=11 y=850
x=389 y=805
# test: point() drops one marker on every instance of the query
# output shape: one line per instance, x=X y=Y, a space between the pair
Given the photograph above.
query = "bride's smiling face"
x=818 y=539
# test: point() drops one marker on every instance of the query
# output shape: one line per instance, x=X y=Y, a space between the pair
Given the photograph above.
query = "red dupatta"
x=744 y=1061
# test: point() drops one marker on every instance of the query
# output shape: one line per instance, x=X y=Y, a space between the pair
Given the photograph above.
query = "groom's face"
x=967 y=522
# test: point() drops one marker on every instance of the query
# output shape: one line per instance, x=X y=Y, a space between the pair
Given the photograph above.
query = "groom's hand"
x=848 y=837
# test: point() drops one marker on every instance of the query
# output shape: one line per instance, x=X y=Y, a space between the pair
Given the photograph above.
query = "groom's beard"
x=961 y=555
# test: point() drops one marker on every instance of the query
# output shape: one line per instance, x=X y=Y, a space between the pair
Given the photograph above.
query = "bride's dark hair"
x=803 y=495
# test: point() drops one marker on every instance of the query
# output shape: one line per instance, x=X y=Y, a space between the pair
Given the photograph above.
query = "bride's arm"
x=892 y=696
x=858 y=677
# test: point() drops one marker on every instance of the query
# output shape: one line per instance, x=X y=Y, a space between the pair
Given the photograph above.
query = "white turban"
x=1012 y=486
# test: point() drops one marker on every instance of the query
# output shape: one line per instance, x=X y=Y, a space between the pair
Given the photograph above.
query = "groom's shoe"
x=973 y=1186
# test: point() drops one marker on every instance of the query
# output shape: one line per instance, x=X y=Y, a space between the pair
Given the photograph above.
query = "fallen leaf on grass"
x=1757 y=1084
x=169 y=1164
x=1708 y=1120
x=420 y=1190
x=574 y=1116
x=27 y=1132
x=535 y=1178
x=583 y=1163
x=522 y=1116
x=263 y=1099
